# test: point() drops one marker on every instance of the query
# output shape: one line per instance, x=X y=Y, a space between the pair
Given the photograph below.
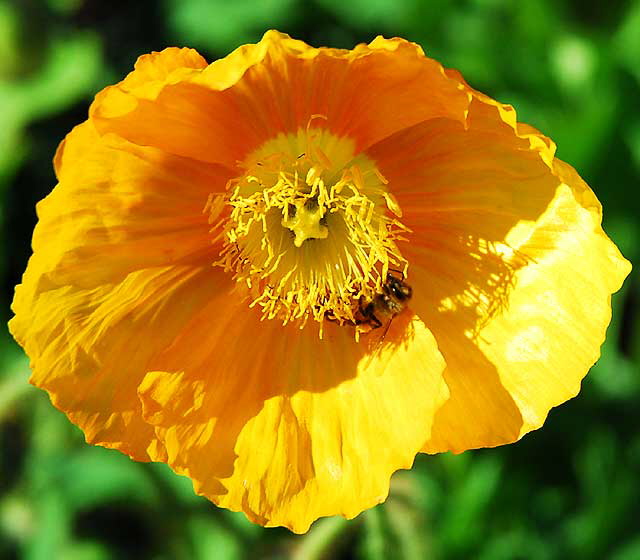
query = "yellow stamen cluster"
x=309 y=238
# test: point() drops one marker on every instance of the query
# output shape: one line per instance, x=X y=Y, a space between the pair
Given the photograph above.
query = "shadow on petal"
x=472 y=197
x=273 y=421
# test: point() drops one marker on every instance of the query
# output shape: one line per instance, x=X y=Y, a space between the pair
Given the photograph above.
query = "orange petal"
x=91 y=348
x=365 y=94
x=291 y=432
x=177 y=113
x=121 y=207
x=225 y=111
x=503 y=261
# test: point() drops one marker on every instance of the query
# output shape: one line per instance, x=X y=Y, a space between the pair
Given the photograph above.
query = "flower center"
x=309 y=229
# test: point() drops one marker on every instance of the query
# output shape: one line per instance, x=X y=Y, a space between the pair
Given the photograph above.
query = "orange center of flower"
x=308 y=228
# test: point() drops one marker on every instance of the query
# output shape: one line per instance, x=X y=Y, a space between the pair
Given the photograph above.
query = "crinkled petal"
x=291 y=432
x=119 y=207
x=177 y=112
x=120 y=239
x=510 y=269
x=560 y=307
x=225 y=111
x=540 y=346
x=91 y=348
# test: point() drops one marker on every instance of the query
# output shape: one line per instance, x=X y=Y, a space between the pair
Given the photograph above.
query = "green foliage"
x=569 y=490
x=228 y=24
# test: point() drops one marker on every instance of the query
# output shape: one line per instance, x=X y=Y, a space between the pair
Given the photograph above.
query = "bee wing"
x=383 y=336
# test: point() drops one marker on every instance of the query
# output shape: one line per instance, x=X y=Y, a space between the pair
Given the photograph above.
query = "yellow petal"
x=541 y=346
x=291 y=432
x=559 y=309
x=120 y=207
x=163 y=66
x=151 y=73
x=509 y=267
x=91 y=348
x=120 y=241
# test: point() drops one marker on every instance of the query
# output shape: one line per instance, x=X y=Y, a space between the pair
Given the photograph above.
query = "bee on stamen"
x=385 y=305
x=382 y=308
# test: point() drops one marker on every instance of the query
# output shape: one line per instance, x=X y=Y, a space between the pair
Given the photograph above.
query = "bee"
x=385 y=305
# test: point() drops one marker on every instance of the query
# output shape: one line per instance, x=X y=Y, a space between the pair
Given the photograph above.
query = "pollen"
x=308 y=229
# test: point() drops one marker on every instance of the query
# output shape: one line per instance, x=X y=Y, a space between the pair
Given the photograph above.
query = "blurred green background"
x=569 y=490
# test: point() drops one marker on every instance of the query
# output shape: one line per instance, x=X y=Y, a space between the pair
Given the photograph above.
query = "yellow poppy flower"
x=221 y=280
